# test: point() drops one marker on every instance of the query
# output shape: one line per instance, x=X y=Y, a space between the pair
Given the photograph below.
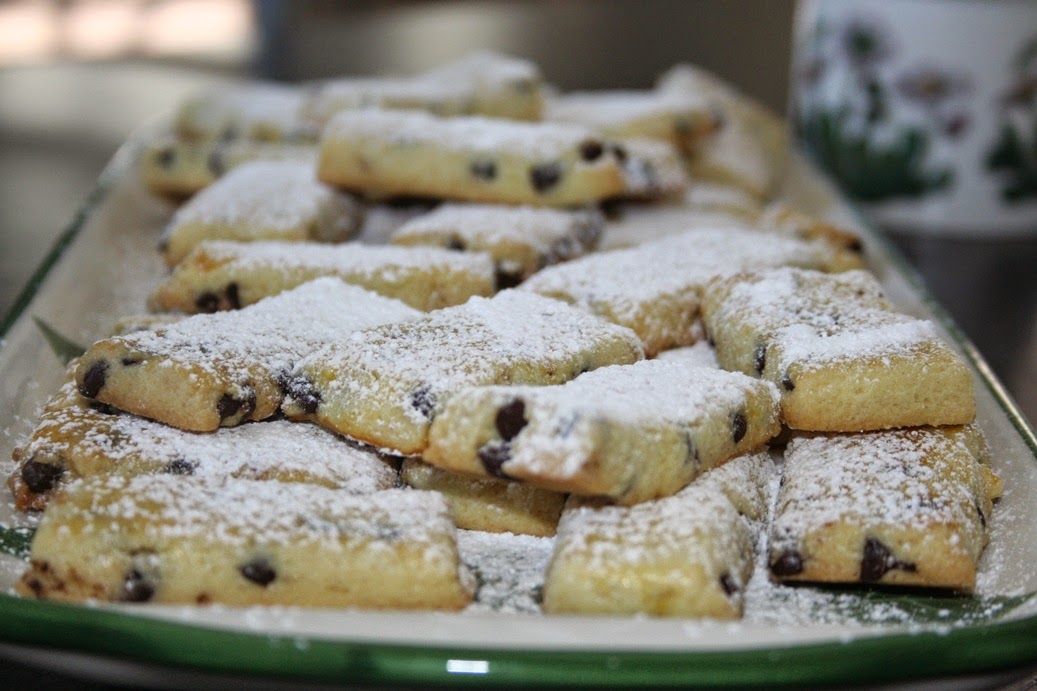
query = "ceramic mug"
x=925 y=111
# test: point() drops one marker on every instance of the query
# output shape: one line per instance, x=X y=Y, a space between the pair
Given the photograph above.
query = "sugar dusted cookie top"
x=265 y=111
x=821 y=317
x=626 y=279
x=487 y=223
x=480 y=83
x=267 y=194
x=246 y=512
x=472 y=343
x=82 y=440
x=350 y=258
x=473 y=134
x=275 y=330
x=897 y=477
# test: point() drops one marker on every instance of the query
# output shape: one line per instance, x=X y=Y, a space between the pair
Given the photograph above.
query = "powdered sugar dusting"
x=509 y=336
x=240 y=512
x=88 y=441
x=624 y=282
x=272 y=334
x=277 y=195
x=910 y=478
x=483 y=225
x=470 y=135
x=351 y=261
x=508 y=568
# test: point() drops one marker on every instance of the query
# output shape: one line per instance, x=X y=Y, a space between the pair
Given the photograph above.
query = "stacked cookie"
x=402 y=307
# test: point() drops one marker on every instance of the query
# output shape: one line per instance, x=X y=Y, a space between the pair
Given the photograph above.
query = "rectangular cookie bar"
x=521 y=239
x=627 y=432
x=489 y=504
x=261 y=111
x=220 y=275
x=750 y=147
x=900 y=507
x=842 y=358
x=688 y=555
x=480 y=83
x=76 y=437
x=262 y=200
x=194 y=540
x=385 y=385
x=655 y=288
x=179 y=168
x=213 y=370
x=412 y=153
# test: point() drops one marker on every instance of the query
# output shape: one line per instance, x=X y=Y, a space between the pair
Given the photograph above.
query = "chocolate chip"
x=691 y=457
x=591 y=150
x=877 y=560
x=455 y=244
x=103 y=408
x=483 y=169
x=35 y=585
x=760 y=358
x=216 y=165
x=739 y=427
x=207 y=302
x=619 y=152
x=137 y=587
x=303 y=392
x=233 y=298
x=788 y=563
x=545 y=176
x=131 y=361
x=729 y=585
x=787 y=382
x=506 y=279
x=228 y=406
x=612 y=209
x=855 y=246
x=93 y=380
x=982 y=516
x=165 y=157
x=41 y=477
x=423 y=400
x=259 y=571
x=511 y=418
x=493 y=455
x=179 y=466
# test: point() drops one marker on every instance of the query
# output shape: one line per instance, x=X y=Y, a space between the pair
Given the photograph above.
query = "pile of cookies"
x=402 y=308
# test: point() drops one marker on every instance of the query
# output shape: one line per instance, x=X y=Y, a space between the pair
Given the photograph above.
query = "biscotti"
x=627 y=432
x=385 y=385
x=842 y=357
x=213 y=370
x=900 y=507
x=192 y=540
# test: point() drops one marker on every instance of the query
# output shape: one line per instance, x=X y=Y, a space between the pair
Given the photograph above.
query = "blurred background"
x=77 y=76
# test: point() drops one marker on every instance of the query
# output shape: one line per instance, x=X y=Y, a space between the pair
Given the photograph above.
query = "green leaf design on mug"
x=16 y=540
